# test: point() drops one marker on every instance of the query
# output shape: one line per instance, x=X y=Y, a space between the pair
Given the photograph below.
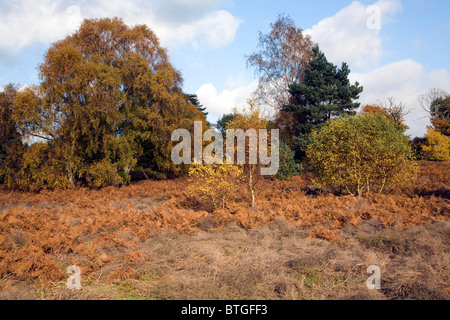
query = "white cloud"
x=176 y=22
x=439 y=79
x=195 y=2
x=27 y=21
x=214 y=30
x=346 y=36
x=403 y=80
x=218 y=104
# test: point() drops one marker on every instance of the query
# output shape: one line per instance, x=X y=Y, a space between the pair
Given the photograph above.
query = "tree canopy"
x=193 y=99
x=436 y=146
x=222 y=123
x=440 y=115
x=394 y=111
x=324 y=93
x=107 y=103
x=283 y=56
x=360 y=154
x=11 y=146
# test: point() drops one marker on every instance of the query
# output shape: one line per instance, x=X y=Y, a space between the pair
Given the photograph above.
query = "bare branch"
x=427 y=98
x=397 y=110
x=281 y=60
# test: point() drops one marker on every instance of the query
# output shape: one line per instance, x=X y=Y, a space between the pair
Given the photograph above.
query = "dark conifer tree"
x=325 y=93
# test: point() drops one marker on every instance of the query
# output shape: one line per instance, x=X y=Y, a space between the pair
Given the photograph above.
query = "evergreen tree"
x=289 y=167
x=222 y=123
x=8 y=132
x=325 y=93
x=193 y=99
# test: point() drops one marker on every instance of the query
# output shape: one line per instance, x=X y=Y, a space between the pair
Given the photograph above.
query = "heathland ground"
x=151 y=240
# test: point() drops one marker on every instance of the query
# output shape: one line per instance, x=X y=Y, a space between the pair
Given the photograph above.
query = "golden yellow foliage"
x=437 y=146
x=38 y=170
x=102 y=174
x=107 y=103
x=214 y=184
x=251 y=118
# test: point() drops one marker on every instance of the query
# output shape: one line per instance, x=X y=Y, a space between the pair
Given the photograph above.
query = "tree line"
x=109 y=99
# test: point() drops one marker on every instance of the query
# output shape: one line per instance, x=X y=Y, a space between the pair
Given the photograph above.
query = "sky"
x=394 y=48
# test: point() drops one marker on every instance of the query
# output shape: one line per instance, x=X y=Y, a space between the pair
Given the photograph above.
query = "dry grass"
x=151 y=241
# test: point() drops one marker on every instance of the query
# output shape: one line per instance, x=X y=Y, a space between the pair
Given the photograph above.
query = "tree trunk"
x=250 y=184
x=70 y=168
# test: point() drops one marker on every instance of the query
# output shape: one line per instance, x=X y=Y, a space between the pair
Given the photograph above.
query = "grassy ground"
x=150 y=240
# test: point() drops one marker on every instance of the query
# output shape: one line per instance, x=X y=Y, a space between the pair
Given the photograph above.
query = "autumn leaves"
x=106 y=105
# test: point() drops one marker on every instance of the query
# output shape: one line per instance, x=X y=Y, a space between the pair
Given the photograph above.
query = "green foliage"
x=222 y=123
x=360 y=153
x=440 y=115
x=289 y=167
x=324 y=94
x=417 y=147
x=10 y=138
x=150 y=174
x=193 y=99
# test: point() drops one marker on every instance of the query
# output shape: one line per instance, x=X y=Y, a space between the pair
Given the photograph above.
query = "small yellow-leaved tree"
x=252 y=118
x=361 y=154
x=214 y=184
x=437 y=146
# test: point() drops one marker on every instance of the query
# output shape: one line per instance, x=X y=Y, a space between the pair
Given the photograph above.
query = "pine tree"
x=222 y=123
x=289 y=167
x=325 y=93
x=193 y=99
x=8 y=132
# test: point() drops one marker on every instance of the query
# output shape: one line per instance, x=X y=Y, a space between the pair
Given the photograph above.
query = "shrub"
x=360 y=153
x=289 y=167
x=417 y=147
x=102 y=174
x=436 y=146
x=37 y=168
x=215 y=184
